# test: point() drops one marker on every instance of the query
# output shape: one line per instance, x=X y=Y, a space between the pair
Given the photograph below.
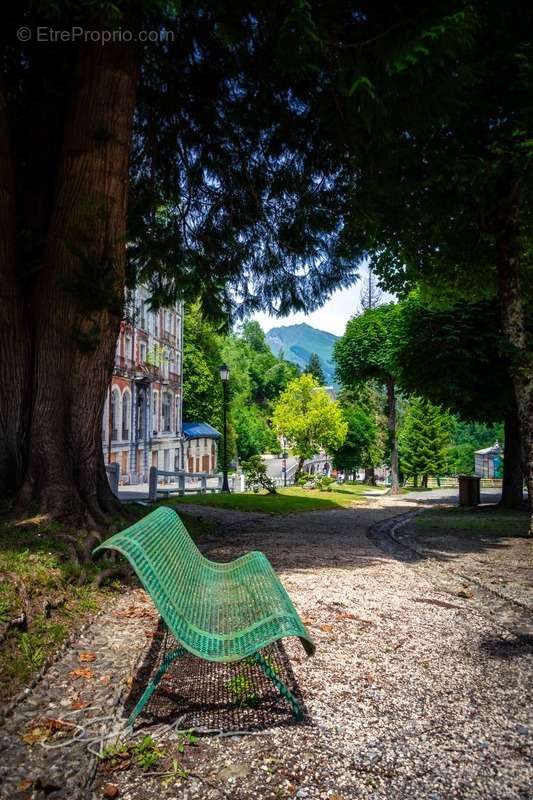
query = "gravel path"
x=416 y=690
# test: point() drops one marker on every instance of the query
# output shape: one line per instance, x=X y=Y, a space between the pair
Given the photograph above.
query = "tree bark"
x=299 y=468
x=370 y=476
x=15 y=360
x=515 y=330
x=78 y=297
x=391 y=422
x=513 y=478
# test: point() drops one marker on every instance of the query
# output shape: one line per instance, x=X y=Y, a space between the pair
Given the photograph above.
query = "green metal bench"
x=219 y=612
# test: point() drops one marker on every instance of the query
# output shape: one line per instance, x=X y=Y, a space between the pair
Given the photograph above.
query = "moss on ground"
x=50 y=594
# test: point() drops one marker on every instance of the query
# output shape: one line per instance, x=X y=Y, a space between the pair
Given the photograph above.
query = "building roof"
x=195 y=430
x=495 y=449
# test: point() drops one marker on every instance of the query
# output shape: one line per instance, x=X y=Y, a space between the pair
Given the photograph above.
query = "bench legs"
x=267 y=668
x=152 y=685
x=278 y=683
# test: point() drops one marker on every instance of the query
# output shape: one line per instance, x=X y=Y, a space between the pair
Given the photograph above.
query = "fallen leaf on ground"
x=105 y=680
x=82 y=672
x=26 y=783
x=43 y=729
x=326 y=628
x=76 y=705
x=119 y=762
x=87 y=657
x=110 y=790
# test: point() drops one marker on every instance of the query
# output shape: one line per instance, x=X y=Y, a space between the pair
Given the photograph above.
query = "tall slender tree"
x=367 y=352
x=314 y=368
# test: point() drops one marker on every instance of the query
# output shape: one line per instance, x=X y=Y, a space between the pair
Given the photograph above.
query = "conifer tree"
x=422 y=440
x=314 y=368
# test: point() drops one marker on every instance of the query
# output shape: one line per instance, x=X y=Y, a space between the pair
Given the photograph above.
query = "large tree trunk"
x=391 y=418
x=299 y=468
x=513 y=479
x=515 y=330
x=77 y=300
x=15 y=364
x=370 y=476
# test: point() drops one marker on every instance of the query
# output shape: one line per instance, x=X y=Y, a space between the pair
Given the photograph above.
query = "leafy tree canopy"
x=456 y=357
x=309 y=418
x=366 y=351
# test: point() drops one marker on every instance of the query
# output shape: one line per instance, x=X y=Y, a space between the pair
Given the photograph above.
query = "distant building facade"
x=200 y=447
x=142 y=422
x=488 y=462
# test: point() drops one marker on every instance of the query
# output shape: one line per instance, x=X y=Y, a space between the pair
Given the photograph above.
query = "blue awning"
x=197 y=430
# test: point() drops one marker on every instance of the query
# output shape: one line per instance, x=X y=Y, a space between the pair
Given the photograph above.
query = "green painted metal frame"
x=219 y=612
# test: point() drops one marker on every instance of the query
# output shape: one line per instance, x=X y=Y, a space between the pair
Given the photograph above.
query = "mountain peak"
x=299 y=341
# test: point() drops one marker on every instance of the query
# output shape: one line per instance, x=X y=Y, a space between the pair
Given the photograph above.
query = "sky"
x=332 y=316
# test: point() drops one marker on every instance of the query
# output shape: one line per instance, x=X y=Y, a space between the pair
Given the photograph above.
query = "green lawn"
x=286 y=501
x=494 y=521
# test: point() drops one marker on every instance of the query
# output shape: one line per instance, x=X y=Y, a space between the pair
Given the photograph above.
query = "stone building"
x=142 y=422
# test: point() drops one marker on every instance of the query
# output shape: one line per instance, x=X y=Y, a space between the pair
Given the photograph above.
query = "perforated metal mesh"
x=202 y=694
x=220 y=612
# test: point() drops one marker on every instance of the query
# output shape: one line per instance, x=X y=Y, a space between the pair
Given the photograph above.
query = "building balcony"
x=168 y=337
x=123 y=364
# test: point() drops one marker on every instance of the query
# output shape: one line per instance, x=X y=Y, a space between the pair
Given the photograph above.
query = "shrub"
x=256 y=475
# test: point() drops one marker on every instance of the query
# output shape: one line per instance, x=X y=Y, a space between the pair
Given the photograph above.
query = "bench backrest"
x=218 y=610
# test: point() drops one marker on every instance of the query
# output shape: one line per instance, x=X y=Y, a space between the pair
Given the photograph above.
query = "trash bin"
x=469 y=490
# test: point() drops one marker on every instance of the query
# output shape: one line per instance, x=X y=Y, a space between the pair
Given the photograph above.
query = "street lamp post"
x=285 y=455
x=224 y=377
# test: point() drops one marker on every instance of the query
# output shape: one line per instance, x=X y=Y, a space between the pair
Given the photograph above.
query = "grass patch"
x=38 y=578
x=497 y=522
x=286 y=501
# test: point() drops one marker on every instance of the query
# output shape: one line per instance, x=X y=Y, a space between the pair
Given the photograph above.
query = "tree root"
x=110 y=573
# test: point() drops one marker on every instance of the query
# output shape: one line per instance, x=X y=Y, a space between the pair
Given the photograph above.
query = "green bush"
x=256 y=476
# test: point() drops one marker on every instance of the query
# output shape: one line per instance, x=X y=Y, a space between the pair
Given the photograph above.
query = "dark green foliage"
x=202 y=356
x=257 y=377
x=367 y=349
x=364 y=447
x=255 y=472
x=455 y=356
x=422 y=441
x=314 y=368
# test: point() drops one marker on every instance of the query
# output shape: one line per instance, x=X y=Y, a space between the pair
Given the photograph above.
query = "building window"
x=143 y=353
x=140 y=416
x=114 y=414
x=126 y=412
x=166 y=411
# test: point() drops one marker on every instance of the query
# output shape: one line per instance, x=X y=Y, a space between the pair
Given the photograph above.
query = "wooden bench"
x=219 y=612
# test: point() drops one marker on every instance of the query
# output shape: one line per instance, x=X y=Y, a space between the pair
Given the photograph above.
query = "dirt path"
x=414 y=692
